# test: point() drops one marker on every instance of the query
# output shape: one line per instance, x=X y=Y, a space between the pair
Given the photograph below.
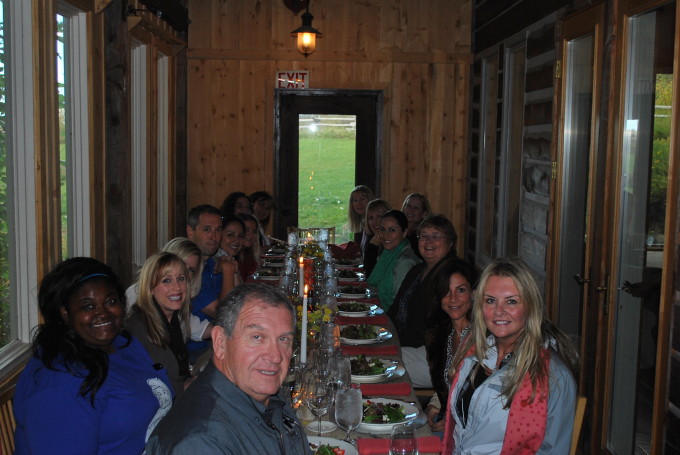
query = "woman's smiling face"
x=505 y=313
x=232 y=238
x=95 y=312
x=391 y=234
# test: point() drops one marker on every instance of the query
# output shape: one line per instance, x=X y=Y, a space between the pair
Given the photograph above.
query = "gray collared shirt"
x=214 y=416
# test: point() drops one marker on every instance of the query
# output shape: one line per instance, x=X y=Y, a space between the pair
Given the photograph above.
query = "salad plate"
x=347 y=263
x=269 y=278
x=379 y=419
x=356 y=309
x=342 y=295
x=369 y=370
x=315 y=442
x=363 y=334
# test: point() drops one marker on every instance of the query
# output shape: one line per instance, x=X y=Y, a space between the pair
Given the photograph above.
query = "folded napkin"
x=344 y=320
x=388 y=349
x=395 y=388
x=426 y=444
x=349 y=250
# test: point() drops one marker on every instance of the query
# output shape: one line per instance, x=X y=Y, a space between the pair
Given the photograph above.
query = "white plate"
x=326 y=426
x=269 y=278
x=383 y=334
x=350 y=264
x=368 y=308
x=390 y=369
x=352 y=296
x=347 y=447
x=382 y=428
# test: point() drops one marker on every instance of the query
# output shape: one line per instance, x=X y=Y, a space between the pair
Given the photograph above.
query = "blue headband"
x=93 y=275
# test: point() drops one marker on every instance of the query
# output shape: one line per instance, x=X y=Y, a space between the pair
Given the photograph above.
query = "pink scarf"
x=525 y=429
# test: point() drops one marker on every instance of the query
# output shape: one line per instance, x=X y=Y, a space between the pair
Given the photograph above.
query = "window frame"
x=21 y=187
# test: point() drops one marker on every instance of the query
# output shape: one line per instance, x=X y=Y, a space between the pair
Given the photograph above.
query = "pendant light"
x=306 y=34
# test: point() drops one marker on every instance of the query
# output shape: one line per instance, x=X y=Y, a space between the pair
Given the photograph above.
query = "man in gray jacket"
x=233 y=406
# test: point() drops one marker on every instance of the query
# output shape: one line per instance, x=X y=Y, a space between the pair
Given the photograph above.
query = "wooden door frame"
x=368 y=167
x=605 y=346
x=590 y=20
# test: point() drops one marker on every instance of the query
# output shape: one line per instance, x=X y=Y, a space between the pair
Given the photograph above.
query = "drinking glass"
x=318 y=398
x=342 y=371
x=348 y=411
x=403 y=440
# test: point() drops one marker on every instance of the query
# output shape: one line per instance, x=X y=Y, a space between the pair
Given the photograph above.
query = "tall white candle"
x=303 y=334
x=302 y=277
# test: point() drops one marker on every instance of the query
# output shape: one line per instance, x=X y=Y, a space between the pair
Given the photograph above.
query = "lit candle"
x=302 y=277
x=303 y=334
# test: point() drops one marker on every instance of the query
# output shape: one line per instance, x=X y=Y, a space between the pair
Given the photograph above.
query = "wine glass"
x=403 y=440
x=318 y=398
x=348 y=411
x=342 y=371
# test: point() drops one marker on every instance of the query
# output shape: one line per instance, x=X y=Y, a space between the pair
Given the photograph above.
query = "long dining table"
x=395 y=386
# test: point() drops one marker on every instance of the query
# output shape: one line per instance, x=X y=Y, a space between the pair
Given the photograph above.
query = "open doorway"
x=316 y=167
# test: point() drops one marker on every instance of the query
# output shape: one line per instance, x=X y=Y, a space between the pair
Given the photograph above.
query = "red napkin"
x=345 y=320
x=388 y=349
x=395 y=388
x=349 y=250
x=426 y=444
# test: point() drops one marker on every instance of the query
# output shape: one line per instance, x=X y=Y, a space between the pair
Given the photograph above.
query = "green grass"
x=326 y=177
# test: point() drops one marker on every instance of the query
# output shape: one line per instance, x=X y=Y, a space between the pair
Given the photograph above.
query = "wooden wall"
x=416 y=52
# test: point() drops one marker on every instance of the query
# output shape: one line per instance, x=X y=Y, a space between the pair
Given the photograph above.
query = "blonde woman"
x=189 y=252
x=160 y=318
x=416 y=207
x=356 y=213
x=515 y=350
x=374 y=212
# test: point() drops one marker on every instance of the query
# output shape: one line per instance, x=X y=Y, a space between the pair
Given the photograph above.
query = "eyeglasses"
x=433 y=238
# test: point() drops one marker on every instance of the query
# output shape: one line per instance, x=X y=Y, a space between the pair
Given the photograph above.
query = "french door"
x=614 y=223
x=366 y=105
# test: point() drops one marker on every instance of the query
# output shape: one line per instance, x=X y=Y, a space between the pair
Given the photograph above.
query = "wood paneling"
x=416 y=52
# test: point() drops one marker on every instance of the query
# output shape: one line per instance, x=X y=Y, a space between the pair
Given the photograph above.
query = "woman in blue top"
x=90 y=387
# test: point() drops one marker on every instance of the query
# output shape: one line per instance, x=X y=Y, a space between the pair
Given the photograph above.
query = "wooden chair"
x=7 y=422
x=578 y=423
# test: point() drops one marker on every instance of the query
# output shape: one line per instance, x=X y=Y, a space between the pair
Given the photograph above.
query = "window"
x=151 y=145
x=72 y=87
x=17 y=181
x=501 y=109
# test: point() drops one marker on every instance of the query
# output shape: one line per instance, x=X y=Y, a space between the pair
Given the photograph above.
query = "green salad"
x=361 y=366
x=383 y=412
x=359 y=332
x=352 y=307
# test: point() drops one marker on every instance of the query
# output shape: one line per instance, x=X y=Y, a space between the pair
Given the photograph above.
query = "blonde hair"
x=538 y=331
x=374 y=206
x=157 y=265
x=185 y=248
x=354 y=220
x=427 y=208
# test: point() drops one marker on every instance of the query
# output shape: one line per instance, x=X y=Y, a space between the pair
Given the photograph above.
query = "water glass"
x=348 y=410
x=403 y=440
x=318 y=398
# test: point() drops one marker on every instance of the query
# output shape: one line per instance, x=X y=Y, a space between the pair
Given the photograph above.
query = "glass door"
x=640 y=239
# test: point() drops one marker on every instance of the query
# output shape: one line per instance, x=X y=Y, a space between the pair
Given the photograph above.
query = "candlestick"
x=302 y=277
x=303 y=334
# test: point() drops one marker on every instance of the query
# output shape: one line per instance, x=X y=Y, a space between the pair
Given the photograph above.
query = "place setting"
x=356 y=334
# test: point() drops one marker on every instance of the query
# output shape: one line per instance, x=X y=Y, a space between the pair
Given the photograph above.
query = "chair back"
x=7 y=422
x=578 y=423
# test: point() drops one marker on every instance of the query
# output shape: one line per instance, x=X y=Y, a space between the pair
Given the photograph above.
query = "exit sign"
x=292 y=79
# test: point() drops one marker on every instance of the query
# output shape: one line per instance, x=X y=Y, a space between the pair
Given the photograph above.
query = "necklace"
x=450 y=353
